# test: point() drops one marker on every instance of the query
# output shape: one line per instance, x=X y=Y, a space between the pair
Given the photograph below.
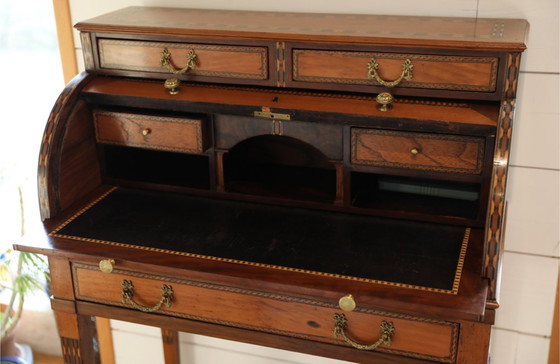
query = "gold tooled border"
x=454 y=290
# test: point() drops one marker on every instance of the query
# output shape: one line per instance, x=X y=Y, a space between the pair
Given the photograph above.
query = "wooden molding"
x=65 y=39
x=554 y=352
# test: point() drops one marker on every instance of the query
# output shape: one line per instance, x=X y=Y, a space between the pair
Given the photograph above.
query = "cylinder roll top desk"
x=320 y=183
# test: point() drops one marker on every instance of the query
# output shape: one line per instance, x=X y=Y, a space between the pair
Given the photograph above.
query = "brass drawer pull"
x=128 y=291
x=146 y=131
x=415 y=151
x=167 y=63
x=387 y=331
x=406 y=74
x=106 y=265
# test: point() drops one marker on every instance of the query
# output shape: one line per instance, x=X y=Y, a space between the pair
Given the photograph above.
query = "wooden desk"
x=328 y=184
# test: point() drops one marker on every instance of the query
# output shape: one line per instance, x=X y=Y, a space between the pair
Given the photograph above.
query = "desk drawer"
x=267 y=312
x=434 y=152
x=151 y=132
x=454 y=73
x=212 y=60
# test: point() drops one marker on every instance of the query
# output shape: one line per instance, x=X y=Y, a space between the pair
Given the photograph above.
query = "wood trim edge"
x=66 y=45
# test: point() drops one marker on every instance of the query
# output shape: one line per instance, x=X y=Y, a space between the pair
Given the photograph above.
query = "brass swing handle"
x=128 y=292
x=167 y=63
x=387 y=331
x=406 y=74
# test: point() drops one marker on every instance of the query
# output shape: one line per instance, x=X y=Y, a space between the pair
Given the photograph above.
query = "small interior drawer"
x=151 y=132
x=433 y=152
x=212 y=60
x=437 y=72
x=264 y=311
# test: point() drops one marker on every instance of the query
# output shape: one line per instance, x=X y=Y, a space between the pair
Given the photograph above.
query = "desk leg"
x=78 y=338
x=170 y=340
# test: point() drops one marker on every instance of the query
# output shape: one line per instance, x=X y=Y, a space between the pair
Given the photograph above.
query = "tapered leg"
x=78 y=337
x=170 y=340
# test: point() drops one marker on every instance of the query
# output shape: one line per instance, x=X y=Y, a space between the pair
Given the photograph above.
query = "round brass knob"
x=106 y=265
x=172 y=85
x=384 y=99
x=414 y=151
x=146 y=131
x=347 y=303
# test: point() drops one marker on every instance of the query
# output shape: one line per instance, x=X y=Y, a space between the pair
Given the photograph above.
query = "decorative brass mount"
x=406 y=74
x=167 y=63
x=385 y=100
x=387 y=330
x=128 y=292
x=172 y=84
x=347 y=303
x=106 y=265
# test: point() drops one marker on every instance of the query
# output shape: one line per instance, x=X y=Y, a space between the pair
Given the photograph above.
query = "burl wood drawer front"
x=455 y=73
x=151 y=132
x=238 y=62
x=434 y=152
x=265 y=311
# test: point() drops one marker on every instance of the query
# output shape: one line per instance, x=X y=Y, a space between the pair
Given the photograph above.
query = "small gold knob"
x=347 y=303
x=106 y=265
x=172 y=85
x=414 y=151
x=146 y=131
x=384 y=99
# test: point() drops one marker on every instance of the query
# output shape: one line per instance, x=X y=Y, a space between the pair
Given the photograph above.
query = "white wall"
x=522 y=331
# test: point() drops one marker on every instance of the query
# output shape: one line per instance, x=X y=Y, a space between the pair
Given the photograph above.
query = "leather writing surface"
x=396 y=251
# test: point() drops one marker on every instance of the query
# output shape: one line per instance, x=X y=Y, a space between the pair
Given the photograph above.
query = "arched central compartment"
x=279 y=167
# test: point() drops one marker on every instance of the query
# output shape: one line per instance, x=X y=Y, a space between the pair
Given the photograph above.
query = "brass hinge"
x=271 y=115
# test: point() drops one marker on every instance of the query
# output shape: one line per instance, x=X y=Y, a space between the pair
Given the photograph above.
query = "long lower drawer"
x=267 y=311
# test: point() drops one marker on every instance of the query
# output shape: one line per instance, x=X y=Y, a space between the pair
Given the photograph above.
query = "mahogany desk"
x=328 y=184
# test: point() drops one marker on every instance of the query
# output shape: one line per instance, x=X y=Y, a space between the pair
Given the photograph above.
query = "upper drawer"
x=435 y=152
x=148 y=131
x=210 y=60
x=433 y=72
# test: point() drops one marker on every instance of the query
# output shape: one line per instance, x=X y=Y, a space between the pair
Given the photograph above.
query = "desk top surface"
x=478 y=33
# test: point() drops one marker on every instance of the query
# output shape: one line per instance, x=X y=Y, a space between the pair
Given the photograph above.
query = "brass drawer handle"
x=406 y=74
x=106 y=265
x=167 y=63
x=146 y=131
x=387 y=331
x=128 y=292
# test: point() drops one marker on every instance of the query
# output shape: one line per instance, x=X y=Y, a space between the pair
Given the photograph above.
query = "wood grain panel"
x=269 y=312
x=212 y=60
x=434 y=152
x=152 y=132
x=430 y=71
